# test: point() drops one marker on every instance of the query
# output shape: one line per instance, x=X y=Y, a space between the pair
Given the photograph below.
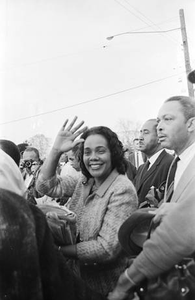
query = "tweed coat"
x=100 y=214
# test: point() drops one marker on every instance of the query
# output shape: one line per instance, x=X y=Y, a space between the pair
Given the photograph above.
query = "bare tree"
x=127 y=131
x=41 y=142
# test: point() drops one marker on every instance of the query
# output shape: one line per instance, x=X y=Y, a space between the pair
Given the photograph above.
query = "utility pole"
x=186 y=51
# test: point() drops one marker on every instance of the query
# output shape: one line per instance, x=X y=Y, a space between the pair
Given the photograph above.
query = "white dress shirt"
x=138 y=159
x=185 y=158
x=154 y=157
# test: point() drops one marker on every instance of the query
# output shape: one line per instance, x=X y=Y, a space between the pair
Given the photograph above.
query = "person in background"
x=62 y=161
x=136 y=157
x=30 y=166
x=174 y=238
x=71 y=168
x=102 y=199
x=21 y=148
x=151 y=176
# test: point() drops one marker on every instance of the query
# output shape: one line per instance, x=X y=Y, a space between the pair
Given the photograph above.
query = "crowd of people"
x=104 y=188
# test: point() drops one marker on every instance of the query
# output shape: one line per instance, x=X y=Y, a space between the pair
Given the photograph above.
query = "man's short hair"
x=32 y=149
x=187 y=104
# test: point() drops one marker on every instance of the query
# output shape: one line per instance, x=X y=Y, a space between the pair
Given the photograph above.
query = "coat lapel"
x=151 y=170
x=186 y=177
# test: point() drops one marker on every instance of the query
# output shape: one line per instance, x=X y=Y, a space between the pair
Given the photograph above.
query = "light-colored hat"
x=10 y=176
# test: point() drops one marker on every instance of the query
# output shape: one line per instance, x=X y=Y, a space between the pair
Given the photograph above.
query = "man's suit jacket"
x=186 y=185
x=156 y=175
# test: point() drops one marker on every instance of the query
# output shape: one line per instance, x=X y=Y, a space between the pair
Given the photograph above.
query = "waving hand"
x=65 y=139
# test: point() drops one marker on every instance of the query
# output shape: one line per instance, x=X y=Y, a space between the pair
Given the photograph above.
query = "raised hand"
x=65 y=139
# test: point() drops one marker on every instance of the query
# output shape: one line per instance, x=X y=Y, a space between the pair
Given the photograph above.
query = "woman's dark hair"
x=114 y=144
x=11 y=149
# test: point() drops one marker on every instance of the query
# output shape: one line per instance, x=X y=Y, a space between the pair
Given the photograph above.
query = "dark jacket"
x=131 y=170
x=156 y=175
x=31 y=267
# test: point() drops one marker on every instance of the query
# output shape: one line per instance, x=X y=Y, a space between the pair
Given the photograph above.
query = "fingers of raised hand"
x=77 y=133
x=70 y=127
x=74 y=130
x=64 y=125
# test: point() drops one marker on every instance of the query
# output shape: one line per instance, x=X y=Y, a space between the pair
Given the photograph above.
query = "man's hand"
x=163 y=210
x=123 y=290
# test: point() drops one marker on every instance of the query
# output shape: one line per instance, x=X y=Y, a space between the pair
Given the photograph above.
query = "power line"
x=91 y=100
x=153 y=24
x=43 y=60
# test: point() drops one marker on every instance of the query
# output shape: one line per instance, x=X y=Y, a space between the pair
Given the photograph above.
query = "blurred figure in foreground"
x=31 y=267
x=10 y=175
x=11 y=149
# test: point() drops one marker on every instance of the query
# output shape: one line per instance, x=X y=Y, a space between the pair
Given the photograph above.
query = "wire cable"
x=135 y=15
x=92 y=100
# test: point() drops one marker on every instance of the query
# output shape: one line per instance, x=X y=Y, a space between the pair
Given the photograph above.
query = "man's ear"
x=191 y=124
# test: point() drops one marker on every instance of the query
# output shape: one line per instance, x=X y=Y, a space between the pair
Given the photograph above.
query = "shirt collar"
x=187 y=154
x=154 y=157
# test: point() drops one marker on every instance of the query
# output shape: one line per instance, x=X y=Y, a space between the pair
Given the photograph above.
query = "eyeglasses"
x=35 y=163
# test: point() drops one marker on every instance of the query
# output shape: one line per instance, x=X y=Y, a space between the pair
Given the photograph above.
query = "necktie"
x=170 y=180
x=145 y=168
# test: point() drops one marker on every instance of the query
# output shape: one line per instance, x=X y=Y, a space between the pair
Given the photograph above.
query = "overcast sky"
x=56 y=62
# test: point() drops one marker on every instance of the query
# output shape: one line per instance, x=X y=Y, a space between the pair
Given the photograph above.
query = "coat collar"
x=103 y=187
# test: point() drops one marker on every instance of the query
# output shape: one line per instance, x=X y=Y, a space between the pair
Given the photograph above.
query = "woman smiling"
x=103 y=198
